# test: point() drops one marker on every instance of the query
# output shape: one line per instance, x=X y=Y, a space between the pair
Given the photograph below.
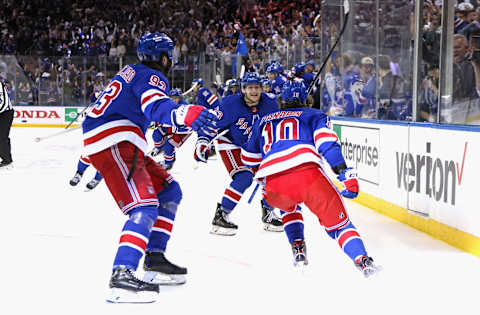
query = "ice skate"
x=76 y=179
x=366 y=266
x=126 y=288
x=221 y=225
x=169 y=164
x=92 y=184
x=6 y=166
x=271 y=222
x=159 y=270
x=299 y=250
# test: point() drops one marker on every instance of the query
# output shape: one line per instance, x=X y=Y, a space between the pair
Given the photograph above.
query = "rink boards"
x=424 y=175
x=46 y=116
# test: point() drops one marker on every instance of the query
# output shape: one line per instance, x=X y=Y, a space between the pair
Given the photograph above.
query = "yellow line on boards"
x=455 y=237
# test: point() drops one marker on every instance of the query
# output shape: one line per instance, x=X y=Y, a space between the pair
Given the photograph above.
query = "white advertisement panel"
x=54 y=116
x=442 y=181
x=428 y=169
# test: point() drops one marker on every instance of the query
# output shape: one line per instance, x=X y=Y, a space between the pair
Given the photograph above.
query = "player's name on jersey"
x=279 y=115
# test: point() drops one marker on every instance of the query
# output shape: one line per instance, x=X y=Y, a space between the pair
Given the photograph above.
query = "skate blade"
x=117 y=295
x=373 y=272
x=163 y=279
x=272 y=228
x=222 y=231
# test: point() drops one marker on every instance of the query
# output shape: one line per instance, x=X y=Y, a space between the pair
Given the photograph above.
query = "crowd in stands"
x=66 y=50
x=49 y=36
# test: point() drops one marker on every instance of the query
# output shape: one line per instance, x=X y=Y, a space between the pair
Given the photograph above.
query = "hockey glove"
x=195 y=116
x=350 y=183
x=201 y=151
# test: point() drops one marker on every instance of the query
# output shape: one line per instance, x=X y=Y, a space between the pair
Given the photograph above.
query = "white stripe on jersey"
x=211 y=99
x=288 y=159
x=251 y=159
x=107 y=136
x=150 y=96
x=328 y=135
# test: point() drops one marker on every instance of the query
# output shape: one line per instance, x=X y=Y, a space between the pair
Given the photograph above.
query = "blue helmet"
x=275 y=67
x=199 y=81
x=251 y=78
x=151 y=46
x=267 y=82
x=231 y=83
x=294 y=91
x=299 y=68
x=311 y=63
x=175 y=92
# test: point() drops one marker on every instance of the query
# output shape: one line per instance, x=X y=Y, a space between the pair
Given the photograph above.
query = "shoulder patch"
x=271 y=95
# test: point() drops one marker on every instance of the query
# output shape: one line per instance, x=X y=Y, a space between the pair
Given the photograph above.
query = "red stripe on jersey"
x=251 y=159
x=344 y=236
x=85 y=160
x=289 y=217
x=221 y=141
x=110 y=131
x=211 y=100
x=128 y=238
x=147 y=98
x=288 y=156
x=233 y=195
x=163 y=225
x=325 y=135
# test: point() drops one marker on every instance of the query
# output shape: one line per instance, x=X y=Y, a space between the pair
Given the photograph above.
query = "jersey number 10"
x=287 y=129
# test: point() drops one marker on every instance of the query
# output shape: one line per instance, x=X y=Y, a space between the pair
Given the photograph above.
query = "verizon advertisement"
x=432 y=171
x=46 y=116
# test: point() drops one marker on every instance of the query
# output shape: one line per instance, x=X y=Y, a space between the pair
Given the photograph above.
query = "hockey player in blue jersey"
x=274 y=74
x=82 y=165
x=267 y=86
x=233 y=87
x=84 y=161
x=204 y=96
x=289 y=147
x=237 y=114
x=166 y=139
x=114 y=140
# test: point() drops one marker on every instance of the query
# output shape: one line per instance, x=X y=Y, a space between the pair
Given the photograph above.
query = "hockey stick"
x=253 y=193
x=78 y=115
x=38 y=139
x=191 y=89
x=242 y=71
x=346 y=7
x=197 y=163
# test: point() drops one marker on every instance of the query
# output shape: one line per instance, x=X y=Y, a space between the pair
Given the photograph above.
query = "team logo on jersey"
x=240 y=122
x=341 y=215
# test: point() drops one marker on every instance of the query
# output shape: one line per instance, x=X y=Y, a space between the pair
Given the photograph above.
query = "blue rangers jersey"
x=278 y=83
x=238 y=118
x=206 y=98
x=291 y=137
x=136 y=96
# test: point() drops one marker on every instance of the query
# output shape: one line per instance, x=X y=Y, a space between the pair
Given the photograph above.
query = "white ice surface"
x=58 y=245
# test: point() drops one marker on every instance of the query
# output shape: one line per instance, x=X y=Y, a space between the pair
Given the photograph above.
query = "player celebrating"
x=288 y=147
x=114 y=139
x=166 y=140
x=274 y=74
x=204 y=96
x=237 y=114
x=232 y=87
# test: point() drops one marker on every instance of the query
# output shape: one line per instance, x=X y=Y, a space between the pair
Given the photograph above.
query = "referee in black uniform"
x=6 y=119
